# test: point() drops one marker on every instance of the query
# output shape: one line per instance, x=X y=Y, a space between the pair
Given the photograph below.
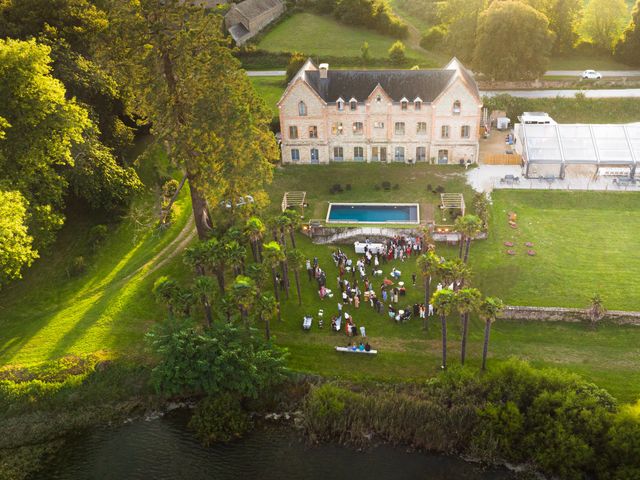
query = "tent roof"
x=581 y=144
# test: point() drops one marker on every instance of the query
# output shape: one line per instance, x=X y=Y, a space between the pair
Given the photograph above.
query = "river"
x=165 y=449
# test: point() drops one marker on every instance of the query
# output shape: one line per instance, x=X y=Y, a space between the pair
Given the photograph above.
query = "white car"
x=591 y=75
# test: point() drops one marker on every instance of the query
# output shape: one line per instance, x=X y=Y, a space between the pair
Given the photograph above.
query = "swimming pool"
x=373 y=213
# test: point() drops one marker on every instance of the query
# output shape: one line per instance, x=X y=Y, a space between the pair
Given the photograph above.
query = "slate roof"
x=358 y=84
x=253 y=8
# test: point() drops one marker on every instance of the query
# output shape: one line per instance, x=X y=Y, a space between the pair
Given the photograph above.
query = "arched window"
x=456 y=107
x=302 y=108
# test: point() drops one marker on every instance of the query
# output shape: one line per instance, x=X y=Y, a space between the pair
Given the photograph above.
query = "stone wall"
x=559 y=314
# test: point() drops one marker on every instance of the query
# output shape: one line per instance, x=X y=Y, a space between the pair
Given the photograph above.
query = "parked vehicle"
x=591 y=75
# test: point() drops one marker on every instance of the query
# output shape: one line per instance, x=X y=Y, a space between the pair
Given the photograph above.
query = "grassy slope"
x=319 y=35
x=607 y=356
x=47 y=314
x=586 y=243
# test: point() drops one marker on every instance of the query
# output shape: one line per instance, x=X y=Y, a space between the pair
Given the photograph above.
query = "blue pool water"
x=373 y=213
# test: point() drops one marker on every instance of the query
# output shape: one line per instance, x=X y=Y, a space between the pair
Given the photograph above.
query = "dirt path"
x=164 y=256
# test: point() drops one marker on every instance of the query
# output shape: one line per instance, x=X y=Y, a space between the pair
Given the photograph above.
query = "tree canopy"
x=16 y=251
x=603 y=22
x=185 y=81
x=628 y=47
x=513 y=41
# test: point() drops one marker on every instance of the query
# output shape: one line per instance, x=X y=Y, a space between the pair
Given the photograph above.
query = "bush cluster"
x=554 y=422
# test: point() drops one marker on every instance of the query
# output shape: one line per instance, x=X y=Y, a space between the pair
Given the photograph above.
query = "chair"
x=306 y=323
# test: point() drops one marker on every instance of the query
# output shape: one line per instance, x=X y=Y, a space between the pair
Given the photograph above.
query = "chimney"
x=324 y=68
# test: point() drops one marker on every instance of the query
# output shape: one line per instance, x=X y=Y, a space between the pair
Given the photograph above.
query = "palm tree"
x=217 y=260
x=196 y=257
x=235 y=255
x=266 y=307
x=244 y=293
x=428 y=267
x=273 y=255
x=469 y=226
x=203 y=289
x=467 y=301
x=166 y=292
x=454 y=272
x=293 y=224
x=444 y=302
x=254 y=230
x=489 y=310
x=596 y=310
x=296 y=260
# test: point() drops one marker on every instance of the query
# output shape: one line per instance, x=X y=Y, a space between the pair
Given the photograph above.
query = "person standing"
x=309 y=270
x=413 y=279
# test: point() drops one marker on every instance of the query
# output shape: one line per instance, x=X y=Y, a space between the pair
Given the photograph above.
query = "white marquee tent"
x=548 y=149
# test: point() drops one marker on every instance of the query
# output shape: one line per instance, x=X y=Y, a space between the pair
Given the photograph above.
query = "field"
x=586 y=244
x=561 y=274
x=106 y=309
x=320 y=36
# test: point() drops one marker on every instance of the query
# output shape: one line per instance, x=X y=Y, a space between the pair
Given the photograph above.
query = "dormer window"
x=456 y=107
x=404 y=103
x=340 y=104
x=353 y=104
x=302 y=109
x=417 y=104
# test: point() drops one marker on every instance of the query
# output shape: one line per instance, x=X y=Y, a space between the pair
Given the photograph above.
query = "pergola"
x=607 y=145
x=452 y=201
x=294 y=199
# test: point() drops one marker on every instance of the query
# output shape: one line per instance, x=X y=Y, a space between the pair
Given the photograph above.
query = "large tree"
x=489 y=310
x=42 y=127
x=564 y=16
x=460 y=20
x=16 y=251
x=467 y=301
x=73 y=29
x=513 y=42
x=604 y=21
x=628 y=47
x=444 y=302
x=185 y=81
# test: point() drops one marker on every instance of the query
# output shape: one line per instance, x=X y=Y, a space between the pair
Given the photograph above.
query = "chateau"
x=380 y=115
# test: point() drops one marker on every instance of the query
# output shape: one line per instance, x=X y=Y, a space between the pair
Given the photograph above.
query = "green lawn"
x=569 y=232
x=578 y=61
x=320 y=36
x=412 y=184
x=107 y=309
x=586 y=243
x=270 y=89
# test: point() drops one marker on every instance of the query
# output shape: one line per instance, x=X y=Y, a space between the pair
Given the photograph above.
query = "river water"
x=165 y=449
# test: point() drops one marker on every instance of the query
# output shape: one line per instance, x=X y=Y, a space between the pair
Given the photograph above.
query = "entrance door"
x=383 y=154
x=315 y=155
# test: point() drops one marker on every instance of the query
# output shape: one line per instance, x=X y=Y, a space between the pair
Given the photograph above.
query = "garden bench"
x=351 y=350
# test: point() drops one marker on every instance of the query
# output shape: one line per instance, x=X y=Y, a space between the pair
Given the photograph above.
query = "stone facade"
x=244 y=20
x=378 y=127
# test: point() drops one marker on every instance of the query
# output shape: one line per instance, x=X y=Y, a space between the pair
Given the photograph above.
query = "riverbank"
x=514 y=414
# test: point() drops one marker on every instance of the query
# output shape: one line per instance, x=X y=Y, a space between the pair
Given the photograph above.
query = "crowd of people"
x=358 y=283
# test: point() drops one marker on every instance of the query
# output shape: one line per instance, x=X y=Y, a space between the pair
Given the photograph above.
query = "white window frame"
x=399 y=131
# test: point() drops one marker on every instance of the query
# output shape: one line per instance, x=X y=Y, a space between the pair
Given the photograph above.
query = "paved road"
x=562 y=73
x=605 y=73
x=605 y=93
x=266 y=73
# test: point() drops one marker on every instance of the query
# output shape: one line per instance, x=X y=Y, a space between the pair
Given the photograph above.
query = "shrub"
x=77 y=266
x=219 y=419
x=219 y=359
x=397 y=53
x=170 y=188
x=97 y=235
x=433 y=37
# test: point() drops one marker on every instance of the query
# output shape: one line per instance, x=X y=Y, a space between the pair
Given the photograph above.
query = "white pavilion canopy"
x=578 y=144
